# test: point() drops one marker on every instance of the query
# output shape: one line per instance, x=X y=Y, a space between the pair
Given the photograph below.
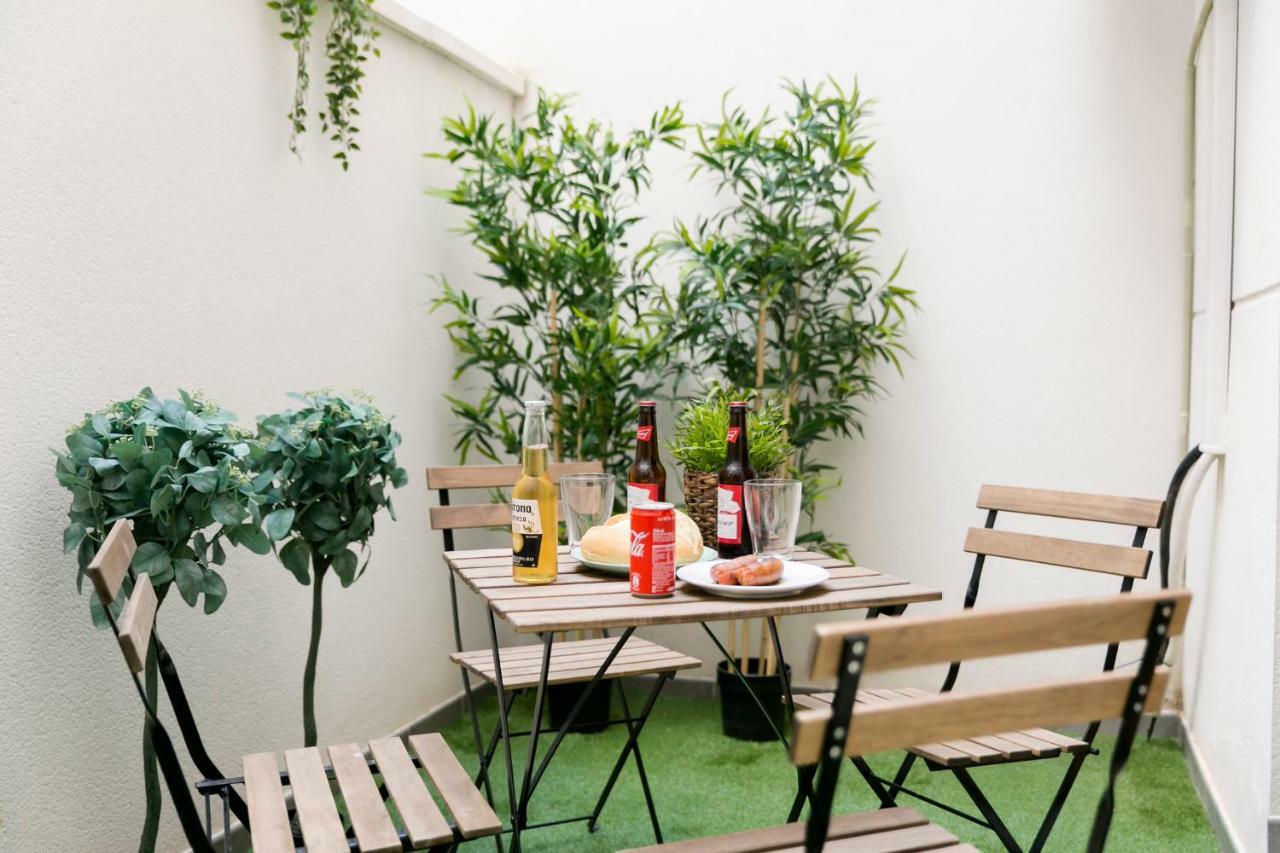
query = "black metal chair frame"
x=887 y=790
x=843 y=718
x=519 y=822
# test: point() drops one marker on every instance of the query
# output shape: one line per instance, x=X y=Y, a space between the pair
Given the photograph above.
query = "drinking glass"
x=773 y=513
x=588 y=501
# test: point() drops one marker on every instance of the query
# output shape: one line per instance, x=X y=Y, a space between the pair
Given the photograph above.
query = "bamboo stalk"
x=557 y=399
x=761 y=319
x=772 y=658
x=746 y=646
x=733 y=638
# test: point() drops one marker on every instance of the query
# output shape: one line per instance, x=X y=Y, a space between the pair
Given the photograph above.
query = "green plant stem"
x=150 y=769
x=313 y=650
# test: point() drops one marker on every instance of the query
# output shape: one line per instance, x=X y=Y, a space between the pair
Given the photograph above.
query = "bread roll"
x=611 y=542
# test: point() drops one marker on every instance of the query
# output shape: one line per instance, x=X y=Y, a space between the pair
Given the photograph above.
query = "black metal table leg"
x=535 y=729
x=575 y=711
x=503 y=711
x=633 y=744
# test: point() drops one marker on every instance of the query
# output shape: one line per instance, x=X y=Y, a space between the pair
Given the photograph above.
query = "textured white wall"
x=1028 y=156
x=155 y=229
x=1230 y=646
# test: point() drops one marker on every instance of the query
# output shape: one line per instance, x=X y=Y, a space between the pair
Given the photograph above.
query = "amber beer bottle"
x=646 y=478
x=733 y=538
x=533 y=505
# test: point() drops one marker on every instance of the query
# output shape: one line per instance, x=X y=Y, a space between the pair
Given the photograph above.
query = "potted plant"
x=780 y=291
x=180 y=470
x=699 y=440
x=332 y=463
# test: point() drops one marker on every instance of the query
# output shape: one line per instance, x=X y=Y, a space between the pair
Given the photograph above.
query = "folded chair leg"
x=804 y=784
x=988 y=811
x=873 y=782
x=504 y=723
x=1064 y=789
x=632 y=745
x=900 y=778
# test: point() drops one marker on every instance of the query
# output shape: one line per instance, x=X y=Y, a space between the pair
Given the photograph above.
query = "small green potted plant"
x=699 y=442
x=180 y=470
x=333 y=462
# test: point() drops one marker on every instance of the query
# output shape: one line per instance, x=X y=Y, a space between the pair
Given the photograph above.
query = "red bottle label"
x=733 y=434
x=729 y=514
x=644 y=433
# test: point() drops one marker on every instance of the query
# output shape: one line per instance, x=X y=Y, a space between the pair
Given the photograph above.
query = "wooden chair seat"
x=574 y=661
x=896 y=830
x=1003 y=748
x=420 y=823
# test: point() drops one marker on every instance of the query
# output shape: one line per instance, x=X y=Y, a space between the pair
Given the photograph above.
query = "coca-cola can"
x=653 y=550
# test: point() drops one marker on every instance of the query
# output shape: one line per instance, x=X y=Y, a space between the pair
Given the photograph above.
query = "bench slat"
x=313 y=799
x=422 y=819
x=1123 y=560
x=136 y=621
x=498 y=476
x=374 y=831
x=267 y=812
x=861 y=825
x=1138 y=512
x=919 y=641
x=948 y=716
x=471 y=812
x=930 y=836
x=108 y=566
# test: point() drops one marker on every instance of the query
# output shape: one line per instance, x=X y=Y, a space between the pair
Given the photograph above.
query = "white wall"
x=1230 y=645
x=1028 y=157
x=154 y=229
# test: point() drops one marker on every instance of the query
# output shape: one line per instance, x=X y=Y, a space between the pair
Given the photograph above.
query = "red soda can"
x=653 y=550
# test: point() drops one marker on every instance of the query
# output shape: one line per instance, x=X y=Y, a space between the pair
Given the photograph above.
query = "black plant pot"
x=739 y=714
x=593 y=717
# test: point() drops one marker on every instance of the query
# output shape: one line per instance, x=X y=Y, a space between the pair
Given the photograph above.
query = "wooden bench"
x=1128 y=562
x=308 y=773
x=846 y=651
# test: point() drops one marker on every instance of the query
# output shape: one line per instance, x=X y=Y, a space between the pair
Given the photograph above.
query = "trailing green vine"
x=348 y=45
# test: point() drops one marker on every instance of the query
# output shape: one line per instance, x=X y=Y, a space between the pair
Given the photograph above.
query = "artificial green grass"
x=706 y=784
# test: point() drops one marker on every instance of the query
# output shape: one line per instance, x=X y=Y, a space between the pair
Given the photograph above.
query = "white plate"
x=796 y=578
x=625 y=568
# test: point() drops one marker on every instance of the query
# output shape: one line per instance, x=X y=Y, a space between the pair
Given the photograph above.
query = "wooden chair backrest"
x=108 y=570
x=1128 y=561
x=972 y=634
x=465 y=516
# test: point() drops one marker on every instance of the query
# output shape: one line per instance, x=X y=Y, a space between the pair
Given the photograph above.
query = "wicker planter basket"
x=700 y=501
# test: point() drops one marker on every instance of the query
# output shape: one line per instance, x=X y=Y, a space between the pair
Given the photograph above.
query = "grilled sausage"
x=724 y=574
x=762 y=572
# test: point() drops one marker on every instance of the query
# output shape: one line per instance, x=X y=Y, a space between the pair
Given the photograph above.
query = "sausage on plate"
x=762 y=572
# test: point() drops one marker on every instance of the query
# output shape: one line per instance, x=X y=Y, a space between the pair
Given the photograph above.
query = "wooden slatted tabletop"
x=586 y=598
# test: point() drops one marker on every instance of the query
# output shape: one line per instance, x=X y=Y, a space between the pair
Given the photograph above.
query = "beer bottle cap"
x=738 y=403
x=644 y=403
x=535 y=404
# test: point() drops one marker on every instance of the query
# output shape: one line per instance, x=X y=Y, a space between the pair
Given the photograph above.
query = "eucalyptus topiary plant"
x=333 y=461
x=180 y=469
x=779 y=291
x=549 y=203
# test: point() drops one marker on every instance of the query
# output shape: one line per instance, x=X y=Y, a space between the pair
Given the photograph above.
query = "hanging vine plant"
x=347 y=46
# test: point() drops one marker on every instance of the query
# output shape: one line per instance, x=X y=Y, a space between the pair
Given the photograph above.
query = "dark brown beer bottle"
x=646 y=478
x=733 y=538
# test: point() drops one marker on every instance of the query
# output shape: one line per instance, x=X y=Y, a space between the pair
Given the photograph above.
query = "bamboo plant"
x=549 y=203
x=779 y=290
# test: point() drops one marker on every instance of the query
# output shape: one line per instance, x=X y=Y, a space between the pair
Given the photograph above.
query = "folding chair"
x=959 y=756
x=850 y=728
x=268 y=814
x=572 y=661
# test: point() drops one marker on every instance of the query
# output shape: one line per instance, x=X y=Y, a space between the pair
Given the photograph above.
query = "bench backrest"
x=109 y=570
x=1132 y=561
x=449 y=517
x=846 y=650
